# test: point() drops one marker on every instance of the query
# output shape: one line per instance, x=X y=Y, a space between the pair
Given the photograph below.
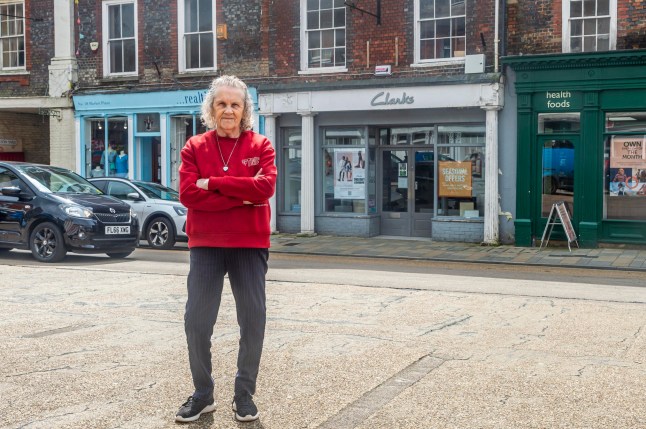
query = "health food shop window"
x=461 y=170
x=344 y=170
x=624 y=196
x=291 y=168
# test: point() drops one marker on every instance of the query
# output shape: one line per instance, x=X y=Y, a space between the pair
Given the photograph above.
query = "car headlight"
x=180 y=210
x=132 y=213
x=77 y=211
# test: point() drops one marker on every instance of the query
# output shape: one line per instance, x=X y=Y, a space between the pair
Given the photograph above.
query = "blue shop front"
x=137 y=135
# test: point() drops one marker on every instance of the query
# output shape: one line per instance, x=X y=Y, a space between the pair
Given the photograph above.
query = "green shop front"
x=581 y=136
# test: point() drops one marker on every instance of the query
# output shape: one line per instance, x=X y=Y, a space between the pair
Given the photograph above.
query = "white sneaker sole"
x=207 y=409
x=247 y=418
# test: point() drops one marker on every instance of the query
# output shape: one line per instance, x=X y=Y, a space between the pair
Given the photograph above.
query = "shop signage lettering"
x=633 y=150
x=558 y=99
x=194 y=99
x=384 y=99
x=628 y=152
x=455 y=179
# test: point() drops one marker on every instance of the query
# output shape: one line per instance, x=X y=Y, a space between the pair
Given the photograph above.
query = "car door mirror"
x=11 y=191
x=134 y=196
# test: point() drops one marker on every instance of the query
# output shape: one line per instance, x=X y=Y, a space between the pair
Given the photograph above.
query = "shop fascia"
x=420 y=97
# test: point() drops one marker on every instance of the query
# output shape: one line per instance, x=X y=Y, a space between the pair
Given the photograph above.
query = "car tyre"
x=160 y=233
x=46 y=243
x=119 y=255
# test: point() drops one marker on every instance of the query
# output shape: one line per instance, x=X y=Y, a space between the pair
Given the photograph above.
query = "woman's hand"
x=202 y=184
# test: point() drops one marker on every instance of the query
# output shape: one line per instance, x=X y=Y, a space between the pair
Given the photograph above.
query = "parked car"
x=162 y=216
x=52 y=211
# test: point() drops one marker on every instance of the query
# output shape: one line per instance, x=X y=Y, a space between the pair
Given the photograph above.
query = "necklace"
x=226 y=164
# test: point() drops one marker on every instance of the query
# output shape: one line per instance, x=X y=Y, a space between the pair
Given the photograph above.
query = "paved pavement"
x=100 y=346
x=619 y=258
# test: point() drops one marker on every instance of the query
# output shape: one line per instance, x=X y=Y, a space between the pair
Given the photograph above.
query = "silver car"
x=161 y=216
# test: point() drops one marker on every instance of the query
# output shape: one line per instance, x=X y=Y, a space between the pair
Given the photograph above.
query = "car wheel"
x=46 y=243
x=119 y=255
x=160 y=233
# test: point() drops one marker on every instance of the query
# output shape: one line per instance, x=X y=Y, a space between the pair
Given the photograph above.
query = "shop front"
x=582 y=140
x=136 y=135
x=397 y=161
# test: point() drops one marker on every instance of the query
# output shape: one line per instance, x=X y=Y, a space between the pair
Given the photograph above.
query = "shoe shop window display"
x=227 y=176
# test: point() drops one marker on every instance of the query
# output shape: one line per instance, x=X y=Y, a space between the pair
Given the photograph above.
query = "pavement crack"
x=446 y=324
x=62 y=368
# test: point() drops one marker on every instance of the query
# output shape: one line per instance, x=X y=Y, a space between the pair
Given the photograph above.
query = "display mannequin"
x=121 y=164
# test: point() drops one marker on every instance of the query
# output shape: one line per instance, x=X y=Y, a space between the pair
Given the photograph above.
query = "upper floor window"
x=440 y=29
x=322 y=35
x=197 y=34
x=589 y=25
x=119 y=41
x=12 y=35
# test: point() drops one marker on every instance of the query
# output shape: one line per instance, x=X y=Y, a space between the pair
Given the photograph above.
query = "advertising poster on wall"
x=627 y=166
x=454 y=179
x=350 y=174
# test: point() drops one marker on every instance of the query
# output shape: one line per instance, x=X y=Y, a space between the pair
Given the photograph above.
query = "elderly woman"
x=227 y=176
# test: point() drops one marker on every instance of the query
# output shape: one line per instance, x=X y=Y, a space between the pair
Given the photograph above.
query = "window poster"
x=627 y=166
x=350 y=174
x=454 y=179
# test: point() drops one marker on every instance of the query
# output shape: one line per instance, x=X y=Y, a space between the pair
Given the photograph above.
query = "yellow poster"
x=454 y=179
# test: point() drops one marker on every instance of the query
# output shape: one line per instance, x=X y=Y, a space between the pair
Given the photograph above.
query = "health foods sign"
x=558 y=101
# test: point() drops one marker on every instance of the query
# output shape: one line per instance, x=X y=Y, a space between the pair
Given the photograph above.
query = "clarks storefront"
x=582 y=139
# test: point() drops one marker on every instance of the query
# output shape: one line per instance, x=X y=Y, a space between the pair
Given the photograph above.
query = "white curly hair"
x=208 y=118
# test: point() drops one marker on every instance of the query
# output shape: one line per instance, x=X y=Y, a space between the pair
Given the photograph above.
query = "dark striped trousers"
x=246 y=268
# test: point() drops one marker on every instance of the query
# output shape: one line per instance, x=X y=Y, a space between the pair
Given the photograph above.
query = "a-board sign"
x=559 y=216
x=565 y=221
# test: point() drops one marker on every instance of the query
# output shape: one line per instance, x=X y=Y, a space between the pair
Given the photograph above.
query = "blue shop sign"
x=159 y=101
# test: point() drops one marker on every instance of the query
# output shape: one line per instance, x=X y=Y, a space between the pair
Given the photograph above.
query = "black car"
x=52 y=211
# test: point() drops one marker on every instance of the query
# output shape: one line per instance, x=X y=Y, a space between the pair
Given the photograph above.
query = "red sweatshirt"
x=218 y=217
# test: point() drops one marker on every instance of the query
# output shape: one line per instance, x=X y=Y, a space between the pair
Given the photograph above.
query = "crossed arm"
x=223 y=193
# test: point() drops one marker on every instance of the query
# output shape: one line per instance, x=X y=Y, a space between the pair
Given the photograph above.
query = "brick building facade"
x=575 y=76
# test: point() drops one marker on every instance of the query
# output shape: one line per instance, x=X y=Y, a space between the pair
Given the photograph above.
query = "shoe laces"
x=243 y=400
x=188 y=401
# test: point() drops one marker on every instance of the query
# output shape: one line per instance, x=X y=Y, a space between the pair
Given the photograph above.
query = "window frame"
x=322 y=147
x=304 y=64
x=419 y=62
x=285 y=147
x=566 y=26
x=5 y=3
x=181 y=34
x=106 y=34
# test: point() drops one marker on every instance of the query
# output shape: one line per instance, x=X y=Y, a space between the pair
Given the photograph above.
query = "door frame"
x=411 y=215
x=537 y=201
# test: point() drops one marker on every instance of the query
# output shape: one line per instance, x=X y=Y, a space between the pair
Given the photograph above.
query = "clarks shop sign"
x=391 y=99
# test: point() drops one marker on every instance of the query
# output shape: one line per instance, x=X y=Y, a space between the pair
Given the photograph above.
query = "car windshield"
x=154 y=190
x=57 y=180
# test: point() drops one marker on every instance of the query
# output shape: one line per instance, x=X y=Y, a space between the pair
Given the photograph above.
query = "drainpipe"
x=496 y=41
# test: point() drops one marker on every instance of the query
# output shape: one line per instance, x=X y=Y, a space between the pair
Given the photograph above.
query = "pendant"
x=225 y=168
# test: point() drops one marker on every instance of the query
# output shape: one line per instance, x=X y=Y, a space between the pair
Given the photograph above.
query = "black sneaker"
x=193 y=408
x=244 y=407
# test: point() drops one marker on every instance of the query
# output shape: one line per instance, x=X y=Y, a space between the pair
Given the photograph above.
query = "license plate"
x=117 y=229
